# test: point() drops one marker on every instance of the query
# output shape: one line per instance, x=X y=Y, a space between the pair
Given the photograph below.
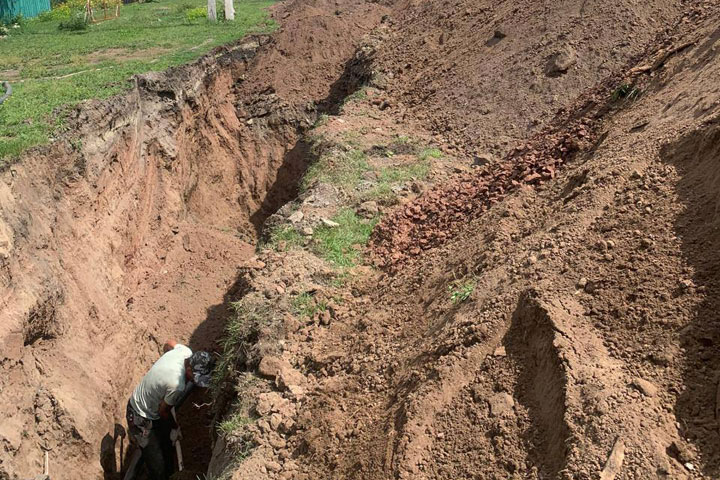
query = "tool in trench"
x=135 y=462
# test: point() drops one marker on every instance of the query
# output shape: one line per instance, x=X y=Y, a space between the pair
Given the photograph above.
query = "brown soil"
x=546 y=309
x=134 y=235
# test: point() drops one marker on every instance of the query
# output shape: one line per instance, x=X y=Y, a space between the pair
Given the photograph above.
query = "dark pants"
x=157 y=448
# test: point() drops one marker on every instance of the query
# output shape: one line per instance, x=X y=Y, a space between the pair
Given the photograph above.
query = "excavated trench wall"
x=124 y=236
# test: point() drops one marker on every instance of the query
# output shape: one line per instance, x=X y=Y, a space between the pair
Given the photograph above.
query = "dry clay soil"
x=589 y=345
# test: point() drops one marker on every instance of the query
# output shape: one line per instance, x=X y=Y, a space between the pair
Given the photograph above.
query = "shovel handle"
x=178 y=448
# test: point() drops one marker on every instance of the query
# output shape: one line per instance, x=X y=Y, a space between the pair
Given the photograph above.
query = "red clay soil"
x=112 y=247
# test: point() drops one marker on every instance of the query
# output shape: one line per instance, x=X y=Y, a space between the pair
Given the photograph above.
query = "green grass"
x=284 y=238
x=98 y=62
x=236 y=422
x=360 y=94
x=243 y=324
x=429 y=153
x=344 y=170
x=389 y=176
x=338 y=244
x=305 y=305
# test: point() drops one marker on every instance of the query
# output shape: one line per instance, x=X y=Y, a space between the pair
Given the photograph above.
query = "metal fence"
x=27 y=8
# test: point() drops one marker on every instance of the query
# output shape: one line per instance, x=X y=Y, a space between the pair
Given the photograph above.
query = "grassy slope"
x=146 y=37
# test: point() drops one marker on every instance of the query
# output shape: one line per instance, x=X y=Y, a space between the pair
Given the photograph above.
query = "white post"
x=229 y=10
x=212 y=14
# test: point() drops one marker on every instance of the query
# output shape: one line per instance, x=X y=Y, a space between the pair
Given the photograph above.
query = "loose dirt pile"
x=555 y=318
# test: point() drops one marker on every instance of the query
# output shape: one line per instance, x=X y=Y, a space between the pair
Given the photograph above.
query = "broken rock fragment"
x=501 y=404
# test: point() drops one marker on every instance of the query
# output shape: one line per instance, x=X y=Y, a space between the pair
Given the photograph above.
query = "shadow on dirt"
x=697 y=159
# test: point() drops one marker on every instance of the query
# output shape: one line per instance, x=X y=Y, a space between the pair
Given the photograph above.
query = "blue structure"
x=27 y=8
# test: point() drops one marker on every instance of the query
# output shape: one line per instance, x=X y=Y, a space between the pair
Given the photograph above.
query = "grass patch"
x=284 y=238
x=97 y=62
x=240 y=330
x=356 y=96
x=341 y=245
x=460 y=290
x=305 y=305
x=236 y=422
x=343 y=170
x=383 y=192
x=428 y=153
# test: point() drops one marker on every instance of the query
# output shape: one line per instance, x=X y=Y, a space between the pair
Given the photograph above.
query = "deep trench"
x=198 y=424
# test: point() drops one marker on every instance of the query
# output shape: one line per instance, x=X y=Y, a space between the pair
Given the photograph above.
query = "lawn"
x=51 y=69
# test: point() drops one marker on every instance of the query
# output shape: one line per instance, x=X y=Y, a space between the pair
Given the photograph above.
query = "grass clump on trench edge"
x=305 y=305
x=241 y=331
x=51 y=70
x=341 y=244
x=284 y=238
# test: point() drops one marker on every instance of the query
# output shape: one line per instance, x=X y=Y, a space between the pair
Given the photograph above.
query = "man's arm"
x=169 y=345
x=165 y=413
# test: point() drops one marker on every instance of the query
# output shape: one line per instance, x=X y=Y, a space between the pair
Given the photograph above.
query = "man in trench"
x=149 y=410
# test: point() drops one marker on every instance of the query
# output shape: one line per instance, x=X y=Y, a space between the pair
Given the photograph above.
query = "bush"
x=76 y=23
x=195 y=14
x=62 y=12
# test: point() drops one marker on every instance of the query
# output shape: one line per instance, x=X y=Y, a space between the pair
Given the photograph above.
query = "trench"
x=131 y=234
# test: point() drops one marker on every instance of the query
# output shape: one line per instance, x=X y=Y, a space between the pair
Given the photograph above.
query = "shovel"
x=178 y=448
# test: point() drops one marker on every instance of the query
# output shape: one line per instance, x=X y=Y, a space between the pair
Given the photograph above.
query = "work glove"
x=175 y=435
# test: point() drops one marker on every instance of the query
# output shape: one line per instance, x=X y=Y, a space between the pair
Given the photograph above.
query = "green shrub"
x=61 y=12
x=195 y=14
x=76 y=23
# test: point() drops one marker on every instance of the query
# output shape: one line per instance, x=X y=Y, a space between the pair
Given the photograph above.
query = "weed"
x=194 y=15
x=360 y=94
x=247 y=319
x=322 y=120
x=305 y=305
x=626 y=92
x=429 y=153
x=236 y=421
x=340 y=245
x=461 y=290
x=343 y=170
x=284 y=238
x=75 y=23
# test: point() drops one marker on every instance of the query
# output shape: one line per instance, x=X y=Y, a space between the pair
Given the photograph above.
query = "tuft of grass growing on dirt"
x=359 y=94
x=235 y=422
x=460 y=290
x=305 y=305
x=388 y=177
x=51 y=70
x=343 y=170
x=341 y=245
x=626 y=92
x=243 y=325
x=428 y=153
x=284 y=238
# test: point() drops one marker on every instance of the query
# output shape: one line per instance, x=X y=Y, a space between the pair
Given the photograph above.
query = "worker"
x=151 y=424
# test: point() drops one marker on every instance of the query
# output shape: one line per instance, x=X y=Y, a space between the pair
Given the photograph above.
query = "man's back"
x=164 y=381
